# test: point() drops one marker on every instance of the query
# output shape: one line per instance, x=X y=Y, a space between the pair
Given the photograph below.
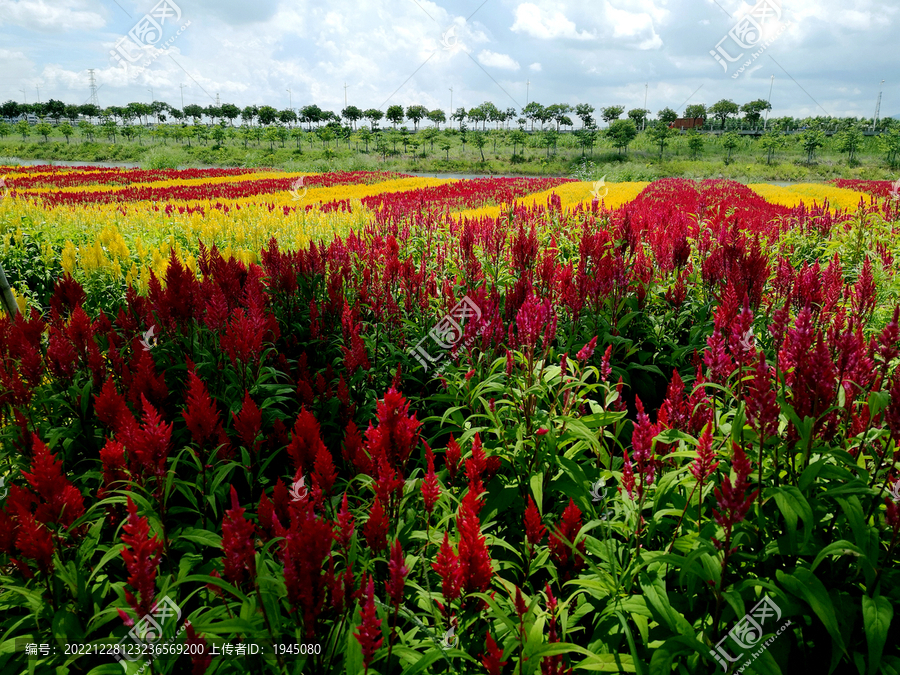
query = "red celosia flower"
x=553 y=665
x=509 y=363
x=59 y=501
x=352 y=449
x=542 y=431
x=605 y=368
x=237 y=543
x=35 y=541
x=431 y=489
x=397 y=571
x=112 y=455
x=447 y=567
x=397 y=433
x=306 y=441
x=492 y=655
x=248 y=423
x=716 y=359
x=149 y=445
x=731 y=498
x=345 y=525
x=642 y=444
x=304 y=550
x=201 y=415
x=587 y=351
x=534 y=528
x=376 y=528
x=369 y=634
x=762 y=404
x=323 y=470
x=452 y=457
x=141 y=561
x=562 y=538
x=703 y=466
x=110 y=406
x=200 y=657
x=892 y=412
x=474 y=559
x=628 y=476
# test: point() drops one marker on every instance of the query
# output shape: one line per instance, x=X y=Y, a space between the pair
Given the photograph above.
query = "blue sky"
x=828 y=57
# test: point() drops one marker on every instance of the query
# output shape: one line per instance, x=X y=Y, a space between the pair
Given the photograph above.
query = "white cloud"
x=495 y=60
x=535 y=67
x=630 y=25
x=60 y=15
x=545 y=24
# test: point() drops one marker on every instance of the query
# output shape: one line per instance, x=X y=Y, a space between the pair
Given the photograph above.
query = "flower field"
x=369 y=423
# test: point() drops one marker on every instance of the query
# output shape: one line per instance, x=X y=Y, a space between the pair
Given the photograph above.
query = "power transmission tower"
x=94 y=100
x=217 y=100
x=877 y=106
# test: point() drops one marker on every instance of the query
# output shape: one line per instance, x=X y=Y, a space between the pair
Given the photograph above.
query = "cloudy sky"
x=827 y=56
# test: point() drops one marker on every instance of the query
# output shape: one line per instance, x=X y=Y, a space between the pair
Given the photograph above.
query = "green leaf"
x=804 y=584
x=537 y=487
x=842 y=547
x=877 y=615
x=204 y=537
x=793 y=505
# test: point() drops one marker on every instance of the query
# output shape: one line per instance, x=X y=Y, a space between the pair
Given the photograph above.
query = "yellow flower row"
x=810 y=194
x=611 y=196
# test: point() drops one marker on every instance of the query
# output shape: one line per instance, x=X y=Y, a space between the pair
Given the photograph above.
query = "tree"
x=416 y=113
x=267 y=115
x=213 y=112
x=248 y=114
x=287 y=116
x=86 y=129
x=5 y=129
x=478 y=140
x=770 y=142
x=459 y=115
x=660 y=134
x=517 y=137
x=550 y=138
x=667 y=116
x=24 y=128
x=66 y=130
x=71 y=113
x=812 y=140
x=557 y=112
x=695 y=142
x=532 y=112
x=218 y=134
x=374 y=115
x=428 y=136
x=849 y=141
x=56 y=109
x=445 y=146
x=44 y=130
x=437 y=118
x=753 y=111
x=730 y=140
x=491 y=114
x=694 y=111
x=271 y=136
x=310 y=114
x=584 y=112
x=352 y=114
x=394 y=114
x=365 y=136
x=638 y=116
x=612 y=112
x=230 y=112
x=889 y=144
x=476 y=115
x=621 y=133
x=722 y=110
x=297 y=134
x=89 y=110
x=195 y=112
x=10 y=109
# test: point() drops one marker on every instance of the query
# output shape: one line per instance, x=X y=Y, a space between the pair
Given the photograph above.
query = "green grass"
x=641 y=162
